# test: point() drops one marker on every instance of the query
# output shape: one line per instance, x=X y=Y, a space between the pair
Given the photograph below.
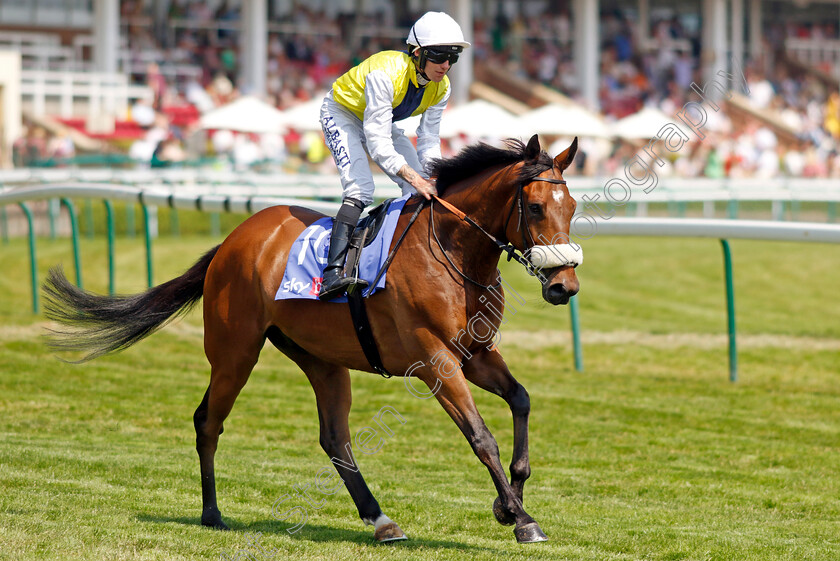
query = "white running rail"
x=616 y=226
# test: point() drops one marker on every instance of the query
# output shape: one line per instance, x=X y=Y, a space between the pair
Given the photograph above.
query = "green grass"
x=649 y=454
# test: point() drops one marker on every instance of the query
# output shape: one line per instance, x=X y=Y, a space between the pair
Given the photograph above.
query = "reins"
x=457 y=212
x=391 y=255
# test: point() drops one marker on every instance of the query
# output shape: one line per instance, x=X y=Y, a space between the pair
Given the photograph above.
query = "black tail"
x=112 y=323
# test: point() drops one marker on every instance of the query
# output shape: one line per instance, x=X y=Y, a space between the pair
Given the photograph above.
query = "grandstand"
x=134 y=74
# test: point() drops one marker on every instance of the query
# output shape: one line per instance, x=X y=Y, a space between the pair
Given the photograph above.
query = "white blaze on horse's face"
x=554 y=254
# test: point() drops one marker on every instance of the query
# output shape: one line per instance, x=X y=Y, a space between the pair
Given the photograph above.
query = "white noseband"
x=557 y=255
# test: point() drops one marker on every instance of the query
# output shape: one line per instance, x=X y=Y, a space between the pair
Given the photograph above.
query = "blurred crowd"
x=307 y=50
x=659 y=73
x=38 y=145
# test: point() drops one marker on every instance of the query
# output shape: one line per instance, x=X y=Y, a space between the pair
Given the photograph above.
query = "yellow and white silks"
x=357 y=119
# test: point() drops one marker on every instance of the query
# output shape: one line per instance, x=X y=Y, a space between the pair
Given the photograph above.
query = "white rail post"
x=66 y=95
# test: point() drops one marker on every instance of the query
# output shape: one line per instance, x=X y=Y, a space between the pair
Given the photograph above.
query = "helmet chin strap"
x=422 y=79
x=420 y=66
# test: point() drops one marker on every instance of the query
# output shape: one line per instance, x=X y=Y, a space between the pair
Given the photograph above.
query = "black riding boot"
x=333 y=284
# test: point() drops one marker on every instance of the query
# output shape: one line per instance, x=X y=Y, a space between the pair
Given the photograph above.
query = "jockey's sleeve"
x=428 y=132
x=379 y=96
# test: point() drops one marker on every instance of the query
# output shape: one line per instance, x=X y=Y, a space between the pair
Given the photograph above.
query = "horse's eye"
x=535 y=209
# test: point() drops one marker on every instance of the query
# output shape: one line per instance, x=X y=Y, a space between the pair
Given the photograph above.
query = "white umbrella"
x=246 y=114
x=642 y=125
x=305 y=116
x=480 y=118
x=566 y=120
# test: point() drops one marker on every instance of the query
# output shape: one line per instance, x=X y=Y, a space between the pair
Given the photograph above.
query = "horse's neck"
x=486 y=203
x=485 y=199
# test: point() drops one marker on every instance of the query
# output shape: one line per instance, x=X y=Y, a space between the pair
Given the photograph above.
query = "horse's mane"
x=476 y=158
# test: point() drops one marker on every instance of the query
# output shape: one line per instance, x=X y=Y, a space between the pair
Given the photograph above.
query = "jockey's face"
x=436 y=72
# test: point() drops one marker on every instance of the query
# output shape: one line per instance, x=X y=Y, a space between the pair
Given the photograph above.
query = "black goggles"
x=439 y=55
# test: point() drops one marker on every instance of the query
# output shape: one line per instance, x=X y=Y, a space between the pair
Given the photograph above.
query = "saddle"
x=363 y=235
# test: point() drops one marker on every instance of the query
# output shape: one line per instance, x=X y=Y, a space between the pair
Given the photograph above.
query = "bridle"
x=512 y=252
x=522 y=223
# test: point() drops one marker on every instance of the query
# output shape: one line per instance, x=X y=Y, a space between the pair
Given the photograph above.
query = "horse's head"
x=540 y=219
x=525 y=182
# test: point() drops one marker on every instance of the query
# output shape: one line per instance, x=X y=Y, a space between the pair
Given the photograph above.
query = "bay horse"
x=436 y=284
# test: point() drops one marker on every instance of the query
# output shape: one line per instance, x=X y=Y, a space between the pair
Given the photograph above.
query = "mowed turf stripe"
x=649 y=454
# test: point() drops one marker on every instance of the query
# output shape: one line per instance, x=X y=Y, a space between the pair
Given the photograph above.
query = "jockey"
x=358 y=116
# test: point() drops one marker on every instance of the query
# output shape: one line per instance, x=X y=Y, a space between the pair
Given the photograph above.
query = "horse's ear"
x=565 y=158
x=532 y=150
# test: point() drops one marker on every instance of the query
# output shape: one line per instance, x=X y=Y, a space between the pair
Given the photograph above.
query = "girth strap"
x=361 y=324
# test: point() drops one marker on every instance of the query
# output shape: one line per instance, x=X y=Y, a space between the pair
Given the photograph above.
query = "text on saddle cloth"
x=308 y=257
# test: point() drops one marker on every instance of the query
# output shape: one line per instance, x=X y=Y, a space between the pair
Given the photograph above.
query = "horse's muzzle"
x=561 y=284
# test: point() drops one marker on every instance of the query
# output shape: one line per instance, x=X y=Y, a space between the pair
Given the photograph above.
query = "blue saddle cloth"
x=308 y=257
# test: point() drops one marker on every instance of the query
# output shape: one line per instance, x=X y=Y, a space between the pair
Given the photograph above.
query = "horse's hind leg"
x=232 y=357
x=333 y=395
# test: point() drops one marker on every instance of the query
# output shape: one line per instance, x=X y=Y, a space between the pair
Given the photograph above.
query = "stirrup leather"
x=334 y=283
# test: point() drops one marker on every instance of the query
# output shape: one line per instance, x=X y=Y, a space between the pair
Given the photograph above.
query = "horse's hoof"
x=389 y=532
x=213 y=519
x=529 y=533
x=503 y=517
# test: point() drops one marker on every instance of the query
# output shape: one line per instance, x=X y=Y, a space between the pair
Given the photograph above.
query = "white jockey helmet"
x=436 y=28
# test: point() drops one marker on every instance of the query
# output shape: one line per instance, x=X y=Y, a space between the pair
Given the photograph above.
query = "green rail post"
x=89 y=218
x=53 y=209
x=730 y=311
x=733 y=209
x=578 y=348
x=74 y=230
x=148 y=231
x=779 y=213
x=832 y=211
x=109 y=219
x=130 y=230
x=33 y=266
x=174 y=223
x=4 y=224
x=215 y=224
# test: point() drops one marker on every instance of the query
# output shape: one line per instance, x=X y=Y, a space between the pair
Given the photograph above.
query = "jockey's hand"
x=426 y=188
x=422 y=185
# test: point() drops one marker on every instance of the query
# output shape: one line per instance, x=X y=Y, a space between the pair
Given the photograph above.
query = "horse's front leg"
x=488 y=371
x=454 y=395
